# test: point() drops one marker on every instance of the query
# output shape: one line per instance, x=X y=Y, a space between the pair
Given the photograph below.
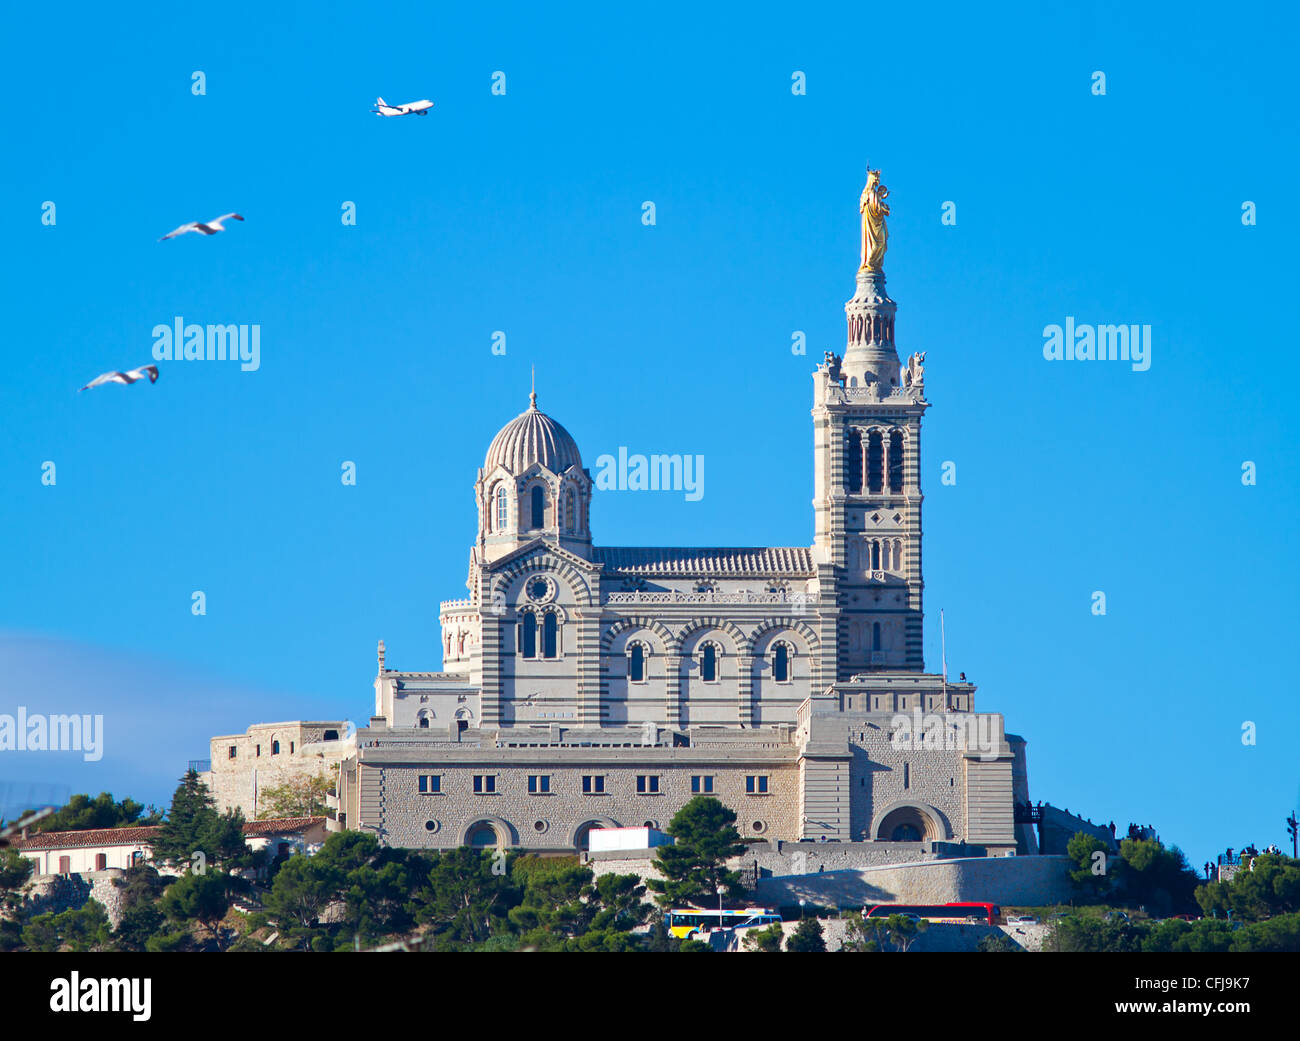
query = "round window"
x=538 y=588
x=430 y=825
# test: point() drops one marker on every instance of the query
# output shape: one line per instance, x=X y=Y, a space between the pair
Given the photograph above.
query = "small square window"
x=756 y=784
x=485 y=784
x=647 y=784
x=539 y=784
x=593 y=784
x=702 y=785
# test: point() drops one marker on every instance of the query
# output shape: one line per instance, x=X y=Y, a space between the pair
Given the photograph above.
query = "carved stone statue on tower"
x=914 y=375
x=875 y=233
x=831 y=364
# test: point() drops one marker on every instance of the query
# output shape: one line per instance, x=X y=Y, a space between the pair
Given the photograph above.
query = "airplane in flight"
x=420 y=108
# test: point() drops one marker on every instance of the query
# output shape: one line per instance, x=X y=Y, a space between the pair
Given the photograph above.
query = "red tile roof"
x=282 y=825
x=82 y=839
x=141 y=836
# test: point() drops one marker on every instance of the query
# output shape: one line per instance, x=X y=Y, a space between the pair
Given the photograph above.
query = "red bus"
x=959 y=913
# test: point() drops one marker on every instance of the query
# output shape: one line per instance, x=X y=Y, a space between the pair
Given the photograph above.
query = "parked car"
x=1023 y=919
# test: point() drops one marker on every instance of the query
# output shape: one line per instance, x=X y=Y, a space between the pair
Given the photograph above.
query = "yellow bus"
x=685 y=922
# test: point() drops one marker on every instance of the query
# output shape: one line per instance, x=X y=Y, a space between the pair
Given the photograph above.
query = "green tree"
x=1082 y=849
x=377 y=896
x=622 y=903
x=807 y=938
x=557 y=902
x=1280 y=933
x=83 y=813
x=765 y=941
x=1074 y=933
x=1154 y=877
x=15 y=869
x=302 y=889
x=199 y=898
x=660 y=939
x=901 y=932
x=193 y=825
x=141 y=919
x=998 y=942
x=861 y=934
x=1175 y=935
x=695 y=866
x=298 y=797
x=895 y=933
x=79 y=929
x=371 y=883
x=465 y=897
x=563 y=907
x=1265 y=885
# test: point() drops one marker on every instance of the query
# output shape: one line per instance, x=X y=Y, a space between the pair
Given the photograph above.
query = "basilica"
x=586 y=685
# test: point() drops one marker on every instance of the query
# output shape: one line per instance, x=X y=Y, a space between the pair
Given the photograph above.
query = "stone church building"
x=586 y=685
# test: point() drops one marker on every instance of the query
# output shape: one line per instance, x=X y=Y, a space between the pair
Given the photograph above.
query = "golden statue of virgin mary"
x=874 y=210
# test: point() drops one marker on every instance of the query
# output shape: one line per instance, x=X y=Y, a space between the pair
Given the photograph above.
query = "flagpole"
x=943 y=645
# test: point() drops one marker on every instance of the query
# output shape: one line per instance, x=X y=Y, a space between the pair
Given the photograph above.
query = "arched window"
x=502 y=509
x=422 y=720
x=709 y=663
x=636 y=663
x=875 y=461
x=550 y=630
x=875 y=554
x=539 y=507
x=781 y=663
x=275 y=747
x=896 y=461
x=530 y=635
x=875 y=636
x=570 y=511
x=853 y=462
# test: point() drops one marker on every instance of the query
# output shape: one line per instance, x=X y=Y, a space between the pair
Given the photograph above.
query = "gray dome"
x=533 y=437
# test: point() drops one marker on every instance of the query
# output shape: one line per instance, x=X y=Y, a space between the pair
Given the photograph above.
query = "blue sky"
x=522 y=213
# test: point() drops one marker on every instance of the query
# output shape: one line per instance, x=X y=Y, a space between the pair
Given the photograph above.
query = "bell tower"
x=867 y=448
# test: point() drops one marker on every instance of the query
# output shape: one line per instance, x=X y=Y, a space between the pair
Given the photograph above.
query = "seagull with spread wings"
x=125 y=378
x=204 y=227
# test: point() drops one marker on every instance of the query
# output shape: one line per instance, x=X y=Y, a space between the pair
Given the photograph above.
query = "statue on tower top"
x=875 y=234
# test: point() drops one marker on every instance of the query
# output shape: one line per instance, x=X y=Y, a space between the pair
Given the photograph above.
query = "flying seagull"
x=207 y=228
x=124 y=378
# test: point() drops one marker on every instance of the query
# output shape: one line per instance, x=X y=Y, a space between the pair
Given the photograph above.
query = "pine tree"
x=694 y=868
x=807 y=938
x=193 y=825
